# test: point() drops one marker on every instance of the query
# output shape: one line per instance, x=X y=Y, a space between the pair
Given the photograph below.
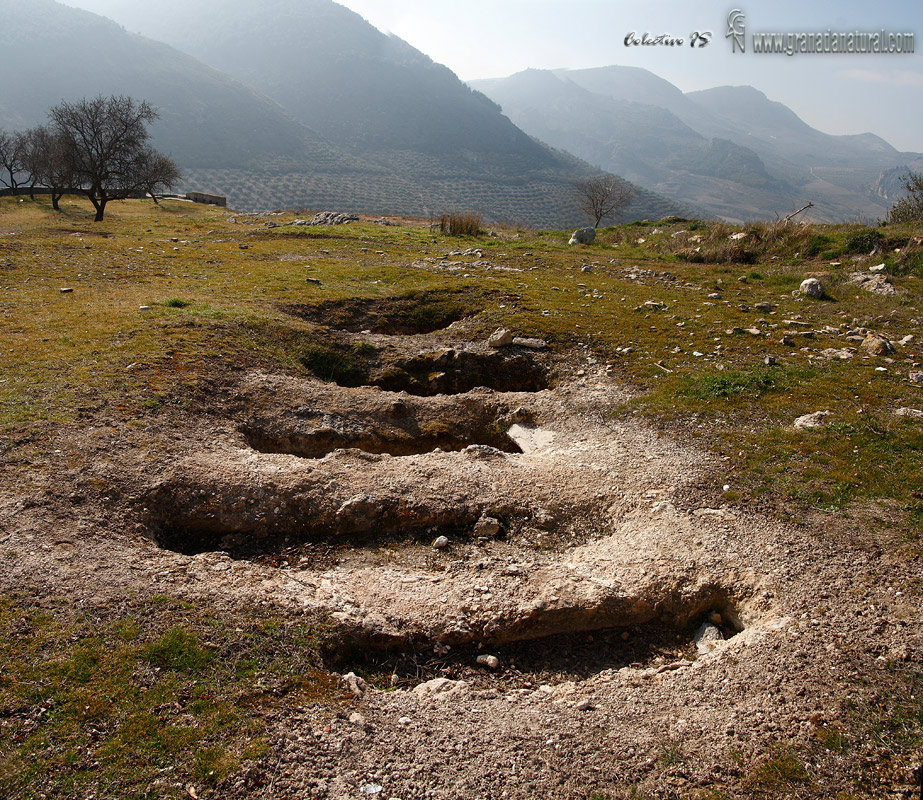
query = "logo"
x=736 y=31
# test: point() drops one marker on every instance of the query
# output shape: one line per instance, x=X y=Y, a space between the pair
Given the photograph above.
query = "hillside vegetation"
x=118 y=336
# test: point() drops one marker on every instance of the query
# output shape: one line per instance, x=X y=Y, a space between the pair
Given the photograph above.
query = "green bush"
x=863 y=241
x=910 y=208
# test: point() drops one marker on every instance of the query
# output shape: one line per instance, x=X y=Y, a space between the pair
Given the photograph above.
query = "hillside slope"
x=730 y=150
x=409 y=136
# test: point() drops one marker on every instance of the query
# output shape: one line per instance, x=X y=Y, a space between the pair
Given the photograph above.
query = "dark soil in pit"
x=413 y=313
x=451 y=371
x=527 y=664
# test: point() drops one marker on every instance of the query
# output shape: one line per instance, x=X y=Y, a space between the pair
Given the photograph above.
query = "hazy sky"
x=835 y=93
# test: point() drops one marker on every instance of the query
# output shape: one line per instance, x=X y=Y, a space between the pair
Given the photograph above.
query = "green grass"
x=145 y=700
x=93 y=352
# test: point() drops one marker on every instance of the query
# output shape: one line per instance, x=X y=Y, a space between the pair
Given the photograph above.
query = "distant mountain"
x=50 y=52
x=729 y=150
x=339 y=114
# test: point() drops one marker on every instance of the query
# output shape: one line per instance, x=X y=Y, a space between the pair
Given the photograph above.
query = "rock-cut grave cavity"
x=404 y=315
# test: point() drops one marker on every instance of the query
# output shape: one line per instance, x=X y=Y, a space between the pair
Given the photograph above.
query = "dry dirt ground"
x=582 y=552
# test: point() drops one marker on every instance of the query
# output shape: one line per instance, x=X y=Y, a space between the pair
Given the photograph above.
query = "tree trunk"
x=55 y=198
x=99 y=203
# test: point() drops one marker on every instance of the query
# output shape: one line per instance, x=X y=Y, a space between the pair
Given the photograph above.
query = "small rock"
x=714 y=296
x=878 y=268
x=315 y=281
x=877 y=345
x=767 y=307
x=144 y=308
x=487 y=527
x=491 y=662
x=500 y=338
x=354 y=683
x=356 y=718
x=707 y=638
x=371 y=789
x=584 y=705
x=842 y=354
x=244 y=246
x=66 y=290
x=815 y=420
x=812 y=287
x=583 y=236
x=907 y=340
x=440 y=542
x=532 y=344
x=913 y=413
x=915 y=377
x=769 y=361
x=736 y=237
x=788 y=341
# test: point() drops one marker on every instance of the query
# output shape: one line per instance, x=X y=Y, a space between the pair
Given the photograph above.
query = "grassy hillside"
x=129 y=325
x=693 y=361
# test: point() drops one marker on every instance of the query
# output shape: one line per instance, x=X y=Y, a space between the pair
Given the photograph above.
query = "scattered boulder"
x=441 y=542
x=815 y=420
x=811 y=287
x=913 y=413
x=500 y=338
x=915 y=377
x=843 y=354
x=877 y=345
x=583 y=236
x=767 y=307
x=332 y=218
x=707 y=638
x=876 y=284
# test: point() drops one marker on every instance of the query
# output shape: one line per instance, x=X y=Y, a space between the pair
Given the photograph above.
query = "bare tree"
x=106 y=141
x=604 y=196
x=11 y=158
x=49 y=161
x=158 y=170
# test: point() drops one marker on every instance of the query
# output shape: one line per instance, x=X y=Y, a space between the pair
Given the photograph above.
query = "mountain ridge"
x=782 y=161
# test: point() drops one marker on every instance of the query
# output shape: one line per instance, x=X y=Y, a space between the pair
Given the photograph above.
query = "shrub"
x=910 y=208
x=456 y=224
x=864 y=240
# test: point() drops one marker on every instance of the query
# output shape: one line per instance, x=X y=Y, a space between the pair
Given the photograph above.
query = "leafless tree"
x=604 y=196
x=106 y=140
x=49 y=162
x=158 y=170
x=11 y=158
